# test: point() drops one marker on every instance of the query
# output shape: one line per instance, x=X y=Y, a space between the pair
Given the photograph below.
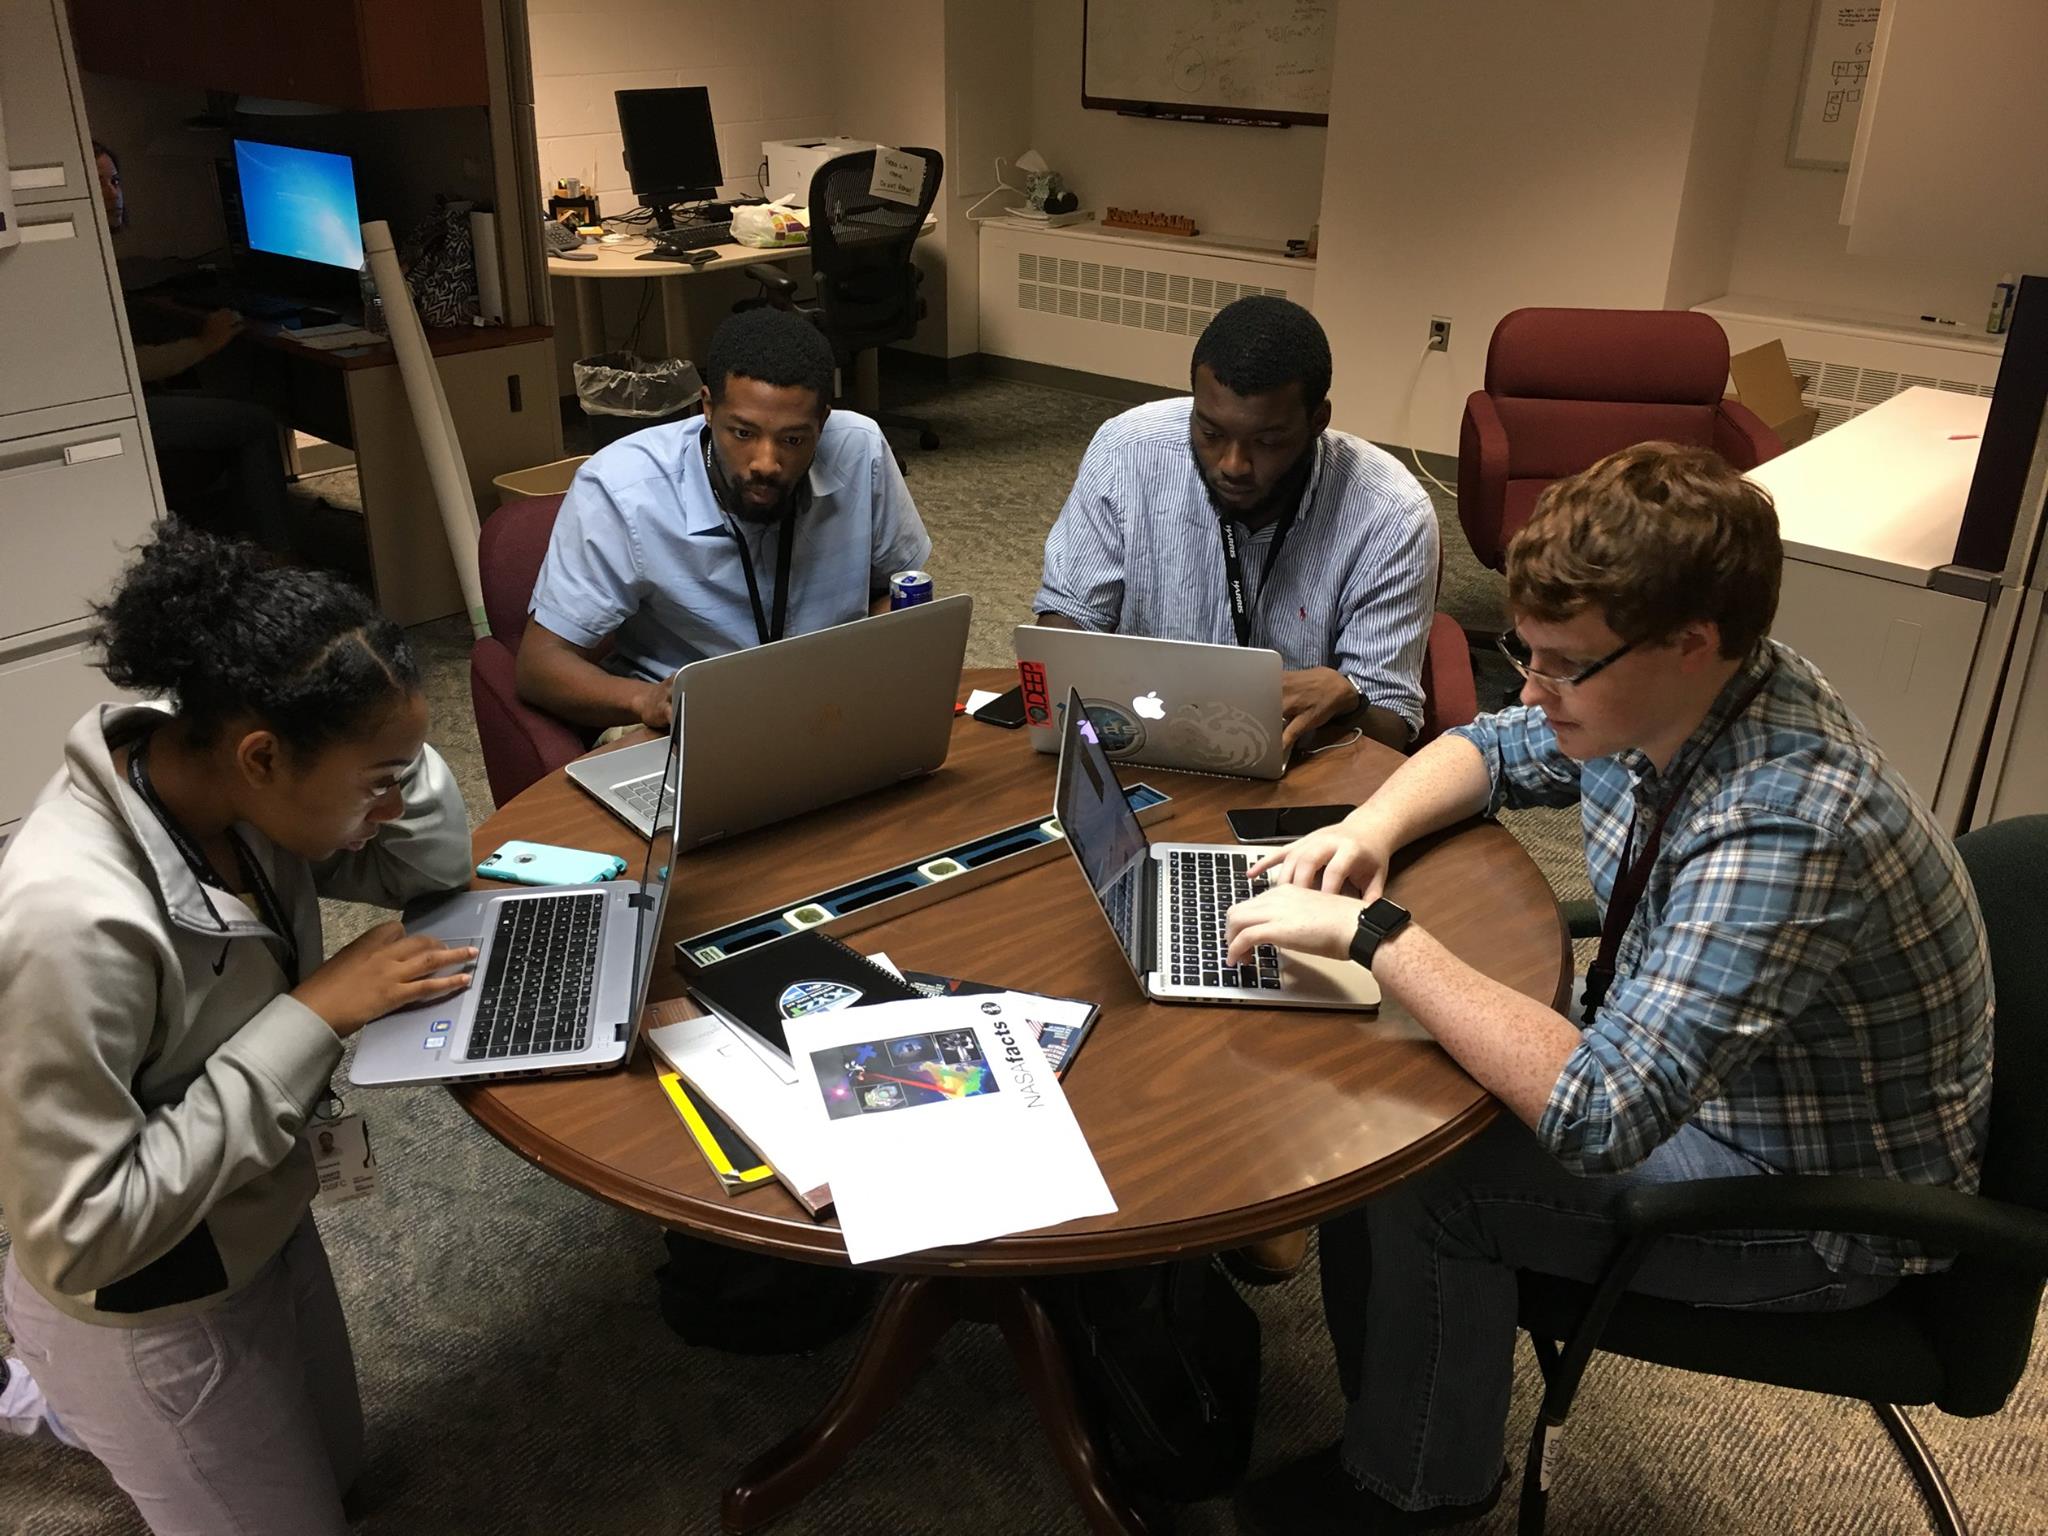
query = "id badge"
x=341 y=1157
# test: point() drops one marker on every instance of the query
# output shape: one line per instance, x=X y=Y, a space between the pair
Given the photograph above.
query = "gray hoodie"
x=154 y=1070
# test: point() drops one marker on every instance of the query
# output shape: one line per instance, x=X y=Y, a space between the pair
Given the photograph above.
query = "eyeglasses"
x=1510 y=645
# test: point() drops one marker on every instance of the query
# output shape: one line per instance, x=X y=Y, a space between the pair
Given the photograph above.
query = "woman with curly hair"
x=167 y=1026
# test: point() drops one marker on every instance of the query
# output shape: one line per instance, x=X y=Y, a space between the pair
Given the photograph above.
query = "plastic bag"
x=768 y=225
x=626 y=384
x=440 y=266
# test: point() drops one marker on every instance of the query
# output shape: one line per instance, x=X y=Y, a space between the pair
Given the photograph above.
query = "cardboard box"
x=1764 y=382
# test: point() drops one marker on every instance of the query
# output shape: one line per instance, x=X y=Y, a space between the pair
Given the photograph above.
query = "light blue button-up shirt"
x=1136 y=551
x=642 y=551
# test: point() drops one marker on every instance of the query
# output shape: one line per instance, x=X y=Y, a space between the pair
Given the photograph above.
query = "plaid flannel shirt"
x=1806 y=975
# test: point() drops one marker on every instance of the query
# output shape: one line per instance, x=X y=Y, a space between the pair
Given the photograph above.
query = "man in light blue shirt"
x=1332 y=543
x=770 y=515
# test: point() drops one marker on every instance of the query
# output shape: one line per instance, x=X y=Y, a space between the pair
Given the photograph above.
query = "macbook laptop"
x=1157 y=703
x=561 y=976
x=781 y=729
x=1166 y=902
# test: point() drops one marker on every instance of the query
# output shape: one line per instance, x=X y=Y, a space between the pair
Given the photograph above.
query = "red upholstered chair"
x=521 y=745
x=1449 y=696
x=1567 y=387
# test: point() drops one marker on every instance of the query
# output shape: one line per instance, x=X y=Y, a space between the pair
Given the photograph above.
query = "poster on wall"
x=1839 y=44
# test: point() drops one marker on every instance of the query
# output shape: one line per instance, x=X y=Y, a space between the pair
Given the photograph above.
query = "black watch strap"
x=1376 y=924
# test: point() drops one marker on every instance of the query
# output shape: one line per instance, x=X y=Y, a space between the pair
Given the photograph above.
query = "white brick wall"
x=767 y=66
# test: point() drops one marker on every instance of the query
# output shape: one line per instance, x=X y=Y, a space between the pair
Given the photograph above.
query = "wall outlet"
x=1439 y=333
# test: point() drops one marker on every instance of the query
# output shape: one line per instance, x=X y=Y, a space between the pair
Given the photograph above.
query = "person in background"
x=771 y=514
x=241 y=434
x=1793 y=979
x=168 y=1027
x=1182 y=505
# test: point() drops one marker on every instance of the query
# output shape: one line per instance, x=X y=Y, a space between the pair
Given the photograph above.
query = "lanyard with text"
x=785 y=545
x=202 y=867
x=1635 y=873
x=1233 y=570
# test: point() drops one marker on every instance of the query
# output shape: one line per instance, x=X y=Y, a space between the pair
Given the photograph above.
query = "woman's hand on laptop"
x=1335 y=859
x=1288 y=917
x=383 y=970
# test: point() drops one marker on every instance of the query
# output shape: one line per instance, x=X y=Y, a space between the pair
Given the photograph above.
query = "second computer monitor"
x=671 y=147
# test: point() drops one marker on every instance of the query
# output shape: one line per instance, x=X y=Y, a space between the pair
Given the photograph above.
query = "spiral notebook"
x=761 y=990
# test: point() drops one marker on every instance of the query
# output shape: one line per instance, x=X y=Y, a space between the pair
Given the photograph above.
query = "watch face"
x=1384 y=916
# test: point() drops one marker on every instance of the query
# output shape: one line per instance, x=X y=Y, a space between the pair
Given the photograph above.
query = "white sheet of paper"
x=898 y=177
x=772 y=1115
x=941 y=1123
x=976 y=697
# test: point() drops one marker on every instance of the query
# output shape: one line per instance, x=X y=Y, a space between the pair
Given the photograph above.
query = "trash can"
x=622 y=392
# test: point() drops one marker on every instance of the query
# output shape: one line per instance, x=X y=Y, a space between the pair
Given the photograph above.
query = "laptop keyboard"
x=1203 y=889
x=643 y=794
x=535 y=996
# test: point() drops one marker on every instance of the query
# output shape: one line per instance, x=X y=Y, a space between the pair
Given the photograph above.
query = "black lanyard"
x=1233 y=566
x=202 y=867
x=784 y=547
x=1635 y=873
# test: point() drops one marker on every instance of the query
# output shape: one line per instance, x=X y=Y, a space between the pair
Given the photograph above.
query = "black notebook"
x=763 y=989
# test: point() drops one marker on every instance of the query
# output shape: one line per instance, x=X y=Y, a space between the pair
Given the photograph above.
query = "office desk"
x=500 y=389
x=1213 y=1126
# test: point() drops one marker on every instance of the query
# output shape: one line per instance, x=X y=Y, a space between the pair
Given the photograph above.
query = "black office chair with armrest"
x=1958 y=1339
x=867 y=285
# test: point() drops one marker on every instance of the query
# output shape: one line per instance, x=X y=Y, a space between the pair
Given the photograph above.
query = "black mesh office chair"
x=867 y=286
x=1958 y=1340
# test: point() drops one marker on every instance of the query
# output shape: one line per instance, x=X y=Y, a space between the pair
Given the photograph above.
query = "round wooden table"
x=1213 y=1126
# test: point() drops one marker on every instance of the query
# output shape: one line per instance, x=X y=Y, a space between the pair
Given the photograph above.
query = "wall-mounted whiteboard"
x=1839 y=44
x=1246 y=61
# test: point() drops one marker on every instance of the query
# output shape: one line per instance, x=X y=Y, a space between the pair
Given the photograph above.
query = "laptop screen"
x=1102 y=830
x=657 y=869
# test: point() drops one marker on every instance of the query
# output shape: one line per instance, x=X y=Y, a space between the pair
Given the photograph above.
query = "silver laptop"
x=781 y=729
x=1166 y=902
x=1158 y=703
x=561 y=977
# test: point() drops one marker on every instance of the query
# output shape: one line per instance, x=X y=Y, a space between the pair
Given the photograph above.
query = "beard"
x=731 y=494
x=1286 y=491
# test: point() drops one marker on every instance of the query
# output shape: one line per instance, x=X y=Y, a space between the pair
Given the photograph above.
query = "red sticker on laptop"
x=1037 y=705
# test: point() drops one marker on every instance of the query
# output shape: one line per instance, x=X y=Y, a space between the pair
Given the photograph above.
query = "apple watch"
x=1376 y=924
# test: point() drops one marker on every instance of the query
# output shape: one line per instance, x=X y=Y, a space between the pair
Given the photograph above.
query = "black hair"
x=206 y=622
x=113 y=159
x=1258 y=344
x=776 y=346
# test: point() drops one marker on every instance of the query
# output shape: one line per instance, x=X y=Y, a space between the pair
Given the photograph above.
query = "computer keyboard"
x=1200 y=893
x=643 y=795
x=692 y=237
x=534 y=999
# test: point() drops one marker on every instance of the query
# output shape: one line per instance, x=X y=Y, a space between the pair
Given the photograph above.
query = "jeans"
x=242 y=1417
x=1419 y=1293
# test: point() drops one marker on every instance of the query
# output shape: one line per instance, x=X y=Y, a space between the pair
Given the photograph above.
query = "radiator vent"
x=1172 y=303
x=1841 y=391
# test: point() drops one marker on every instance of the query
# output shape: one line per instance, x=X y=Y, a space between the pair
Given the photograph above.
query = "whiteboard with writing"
x=1839 y=45
x=1249 y=60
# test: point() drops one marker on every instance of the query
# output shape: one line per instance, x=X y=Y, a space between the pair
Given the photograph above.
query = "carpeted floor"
x=517 y=1378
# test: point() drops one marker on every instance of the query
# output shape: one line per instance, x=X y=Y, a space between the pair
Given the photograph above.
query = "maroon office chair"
x=521 y=745
x=1449 y=697
x=1567 y=387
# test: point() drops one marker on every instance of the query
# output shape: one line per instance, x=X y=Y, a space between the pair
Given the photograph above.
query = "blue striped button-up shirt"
x=1805 y=977
x=1137 y=551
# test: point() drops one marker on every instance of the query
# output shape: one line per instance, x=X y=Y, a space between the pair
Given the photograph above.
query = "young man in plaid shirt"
x=1793 y=965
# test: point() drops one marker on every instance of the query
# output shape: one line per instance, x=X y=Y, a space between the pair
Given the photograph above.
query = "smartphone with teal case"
x=545 y=864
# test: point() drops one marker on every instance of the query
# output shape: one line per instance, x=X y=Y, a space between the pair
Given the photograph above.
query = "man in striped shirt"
x=1795 y=981
x=1237 y=517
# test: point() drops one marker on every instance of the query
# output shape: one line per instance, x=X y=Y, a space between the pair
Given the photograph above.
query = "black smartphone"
x=1283 y=823
x=1006 y=710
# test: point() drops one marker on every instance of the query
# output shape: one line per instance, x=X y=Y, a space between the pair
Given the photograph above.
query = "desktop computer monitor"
x=671 y=147
x=299 y=203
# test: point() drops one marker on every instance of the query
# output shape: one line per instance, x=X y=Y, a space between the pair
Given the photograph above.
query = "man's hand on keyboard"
x=656 y=705
x=1292 y=917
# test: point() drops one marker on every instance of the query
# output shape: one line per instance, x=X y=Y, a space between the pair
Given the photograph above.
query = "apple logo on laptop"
x=1148 y=706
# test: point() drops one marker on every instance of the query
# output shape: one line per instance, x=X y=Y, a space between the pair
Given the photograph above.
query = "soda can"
x=909 y=588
